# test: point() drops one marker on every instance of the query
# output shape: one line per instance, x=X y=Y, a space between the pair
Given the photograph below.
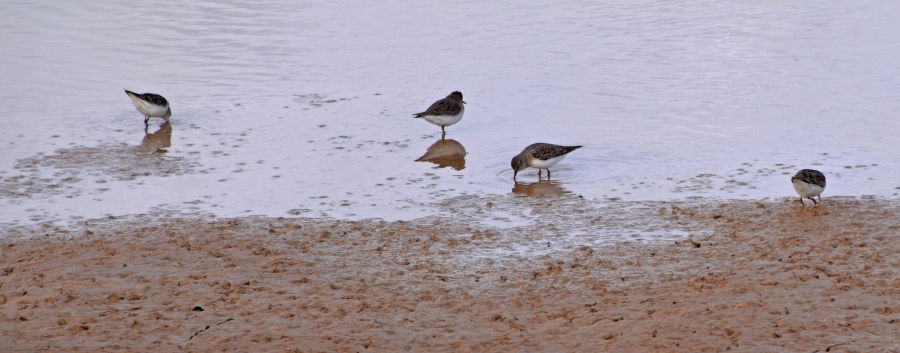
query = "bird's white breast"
x=544 y=164
x=148 y=109
x=445 y=120
x=807 y=190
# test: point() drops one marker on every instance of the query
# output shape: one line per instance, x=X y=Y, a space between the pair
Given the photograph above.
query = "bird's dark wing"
x=154 y=98
x=545 y=151
x=810 y=176
x=442 y=107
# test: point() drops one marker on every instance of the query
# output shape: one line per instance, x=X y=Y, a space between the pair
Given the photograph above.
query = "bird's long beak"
x=514 y=174
x=464 y=102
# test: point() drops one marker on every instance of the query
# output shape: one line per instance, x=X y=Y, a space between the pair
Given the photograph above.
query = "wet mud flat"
x=748 y=276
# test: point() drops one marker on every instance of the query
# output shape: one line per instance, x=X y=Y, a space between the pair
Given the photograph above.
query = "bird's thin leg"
x=815 y=203
x=442 y=131
x=539 y=173
x=146 y=119
x=548 y=173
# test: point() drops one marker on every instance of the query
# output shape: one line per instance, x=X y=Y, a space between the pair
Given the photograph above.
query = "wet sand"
x=762 y=277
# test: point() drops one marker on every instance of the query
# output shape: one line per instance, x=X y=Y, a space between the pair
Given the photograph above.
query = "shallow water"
x=283 y=109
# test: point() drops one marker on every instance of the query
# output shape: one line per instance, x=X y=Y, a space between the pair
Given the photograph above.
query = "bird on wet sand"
x=151 y=105
x=445 y=112
x=540 y=156
x=809 y=183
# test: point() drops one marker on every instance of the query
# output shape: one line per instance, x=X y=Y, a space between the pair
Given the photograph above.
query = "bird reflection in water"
x=539 y=188
x=446 y=153
x=159 y=140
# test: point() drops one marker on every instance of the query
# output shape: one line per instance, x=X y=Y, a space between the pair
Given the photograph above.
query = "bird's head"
x=457 y=95
x=517 y=164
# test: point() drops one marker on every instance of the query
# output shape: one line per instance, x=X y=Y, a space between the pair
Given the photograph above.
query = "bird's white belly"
x=149 y=109
x=544 y=164
x=807 y=190
x=444 y=120
x=156 y=111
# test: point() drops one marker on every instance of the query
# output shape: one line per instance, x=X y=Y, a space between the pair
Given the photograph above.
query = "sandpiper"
x=809 y=183
x=445 y=112
x=151 y=105
x=540 y=156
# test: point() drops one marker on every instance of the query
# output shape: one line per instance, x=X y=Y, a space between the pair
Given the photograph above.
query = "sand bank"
x=762 y=277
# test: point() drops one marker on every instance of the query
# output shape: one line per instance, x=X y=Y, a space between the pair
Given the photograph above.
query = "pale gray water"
x=284 y=109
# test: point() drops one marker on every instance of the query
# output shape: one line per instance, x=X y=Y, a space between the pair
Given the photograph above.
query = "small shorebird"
x=540 y=156
x=809 y=183
x=445 y=112
x=151 y=105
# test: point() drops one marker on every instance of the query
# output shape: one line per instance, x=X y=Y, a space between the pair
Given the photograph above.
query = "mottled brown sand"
x=767 y=277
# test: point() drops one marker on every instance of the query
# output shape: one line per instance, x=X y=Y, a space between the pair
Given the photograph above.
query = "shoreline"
x=749 y=276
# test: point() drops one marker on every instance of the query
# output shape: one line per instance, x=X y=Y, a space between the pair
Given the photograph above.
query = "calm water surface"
x=284 y=108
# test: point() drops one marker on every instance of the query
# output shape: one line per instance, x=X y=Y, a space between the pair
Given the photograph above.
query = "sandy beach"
x=768 y=276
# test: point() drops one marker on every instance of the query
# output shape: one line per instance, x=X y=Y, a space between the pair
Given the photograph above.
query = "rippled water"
x=305 y=109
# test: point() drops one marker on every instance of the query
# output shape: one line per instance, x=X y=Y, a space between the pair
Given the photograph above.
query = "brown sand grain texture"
x=767 y=277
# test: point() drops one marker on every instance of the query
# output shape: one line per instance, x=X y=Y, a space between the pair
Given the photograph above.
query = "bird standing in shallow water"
x=151 y=105
x=445 y=112
x=540 y=156
x=809 y=183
